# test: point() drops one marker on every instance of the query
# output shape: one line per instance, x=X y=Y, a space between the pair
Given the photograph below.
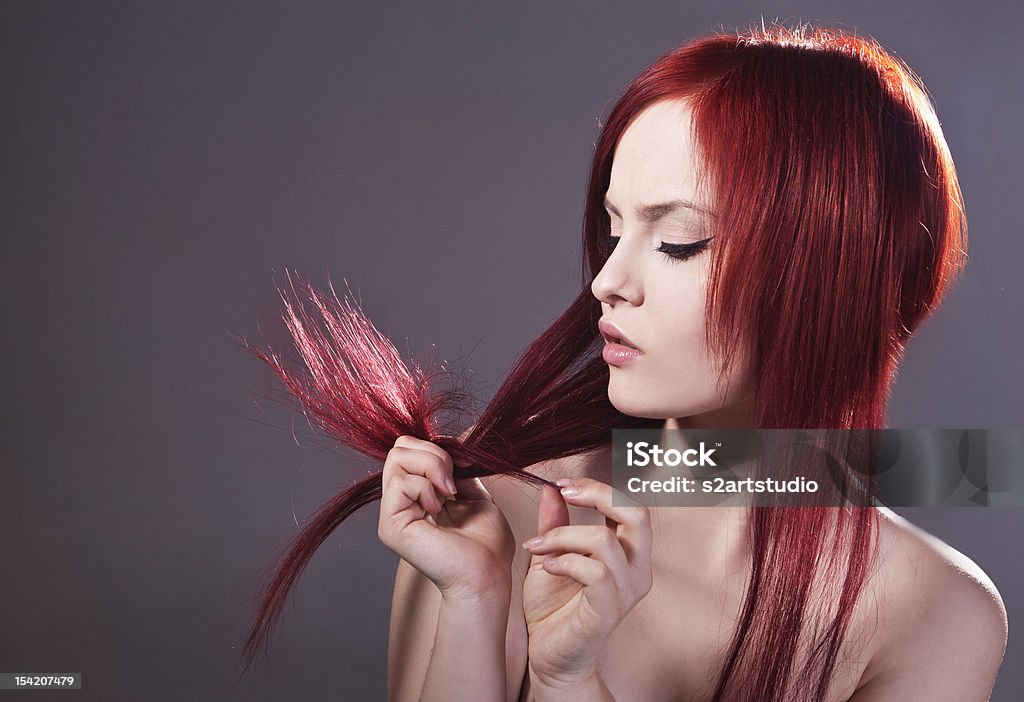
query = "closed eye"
x=681 y=252
x=677 y=252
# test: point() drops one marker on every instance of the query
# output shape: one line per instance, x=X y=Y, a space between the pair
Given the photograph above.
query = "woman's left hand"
x=583 y=579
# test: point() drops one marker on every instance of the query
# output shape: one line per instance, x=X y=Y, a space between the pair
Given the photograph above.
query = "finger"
x=553 y=511
x=597 y=542
x=587 y=539
x=587 y=492
x=421 y=462
x=588 y=572
x=472 y=489
x=412 y=442
x=408 y=441
x=404 y=490
x=632 y=523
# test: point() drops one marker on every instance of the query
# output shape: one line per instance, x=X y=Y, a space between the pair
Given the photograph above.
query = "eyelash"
x=675 y=252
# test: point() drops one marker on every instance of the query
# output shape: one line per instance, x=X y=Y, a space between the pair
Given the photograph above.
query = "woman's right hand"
x=454 y=534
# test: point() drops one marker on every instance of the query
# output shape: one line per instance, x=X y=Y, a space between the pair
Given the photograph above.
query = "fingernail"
x=571 y=491
x=551 y=561
x=562 y=482
x=530 y=543
x=450 y=484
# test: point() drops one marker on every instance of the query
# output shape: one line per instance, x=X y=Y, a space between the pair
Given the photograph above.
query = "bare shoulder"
x=929 y=580
x=941 y=624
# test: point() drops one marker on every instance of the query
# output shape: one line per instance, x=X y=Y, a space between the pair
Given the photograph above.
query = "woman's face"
x=655 y=298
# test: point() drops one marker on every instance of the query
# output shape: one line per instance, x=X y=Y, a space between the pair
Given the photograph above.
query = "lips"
x=614 y=335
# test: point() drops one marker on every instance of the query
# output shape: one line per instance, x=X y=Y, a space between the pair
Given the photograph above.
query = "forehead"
x=655 y=158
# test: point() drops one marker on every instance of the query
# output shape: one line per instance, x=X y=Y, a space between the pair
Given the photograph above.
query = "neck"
x=715 y=534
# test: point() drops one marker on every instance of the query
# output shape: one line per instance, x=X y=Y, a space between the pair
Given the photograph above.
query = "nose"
x=618 y=281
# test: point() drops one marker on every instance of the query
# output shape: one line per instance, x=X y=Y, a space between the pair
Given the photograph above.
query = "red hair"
x=839 y=226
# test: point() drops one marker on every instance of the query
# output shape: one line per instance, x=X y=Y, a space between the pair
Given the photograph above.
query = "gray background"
x=162 y=163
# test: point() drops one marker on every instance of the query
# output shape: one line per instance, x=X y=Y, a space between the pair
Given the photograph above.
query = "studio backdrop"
x=164 y=164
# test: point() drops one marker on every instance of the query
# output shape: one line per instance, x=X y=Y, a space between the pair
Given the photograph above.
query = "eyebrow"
x=652 y=213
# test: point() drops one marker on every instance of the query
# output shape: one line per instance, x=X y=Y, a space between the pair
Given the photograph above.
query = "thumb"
x=553 y=511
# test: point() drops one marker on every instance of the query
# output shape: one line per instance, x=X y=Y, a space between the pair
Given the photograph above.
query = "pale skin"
x=638 y=603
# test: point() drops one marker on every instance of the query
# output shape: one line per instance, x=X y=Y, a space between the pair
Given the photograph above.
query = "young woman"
x=769 y=217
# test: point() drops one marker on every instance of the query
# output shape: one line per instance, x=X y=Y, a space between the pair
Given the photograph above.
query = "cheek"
x=678 y=315
x=680 y=354
x=677 y=376
x=674 y=297
x=674 y=378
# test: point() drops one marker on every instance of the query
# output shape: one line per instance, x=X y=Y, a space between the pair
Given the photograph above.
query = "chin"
x=638 y=404
x=635 y=401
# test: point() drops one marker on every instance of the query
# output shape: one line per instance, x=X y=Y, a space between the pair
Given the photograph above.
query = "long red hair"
x=839 y=226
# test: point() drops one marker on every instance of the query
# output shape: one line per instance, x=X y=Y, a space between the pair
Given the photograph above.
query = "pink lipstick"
x=617 y=349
